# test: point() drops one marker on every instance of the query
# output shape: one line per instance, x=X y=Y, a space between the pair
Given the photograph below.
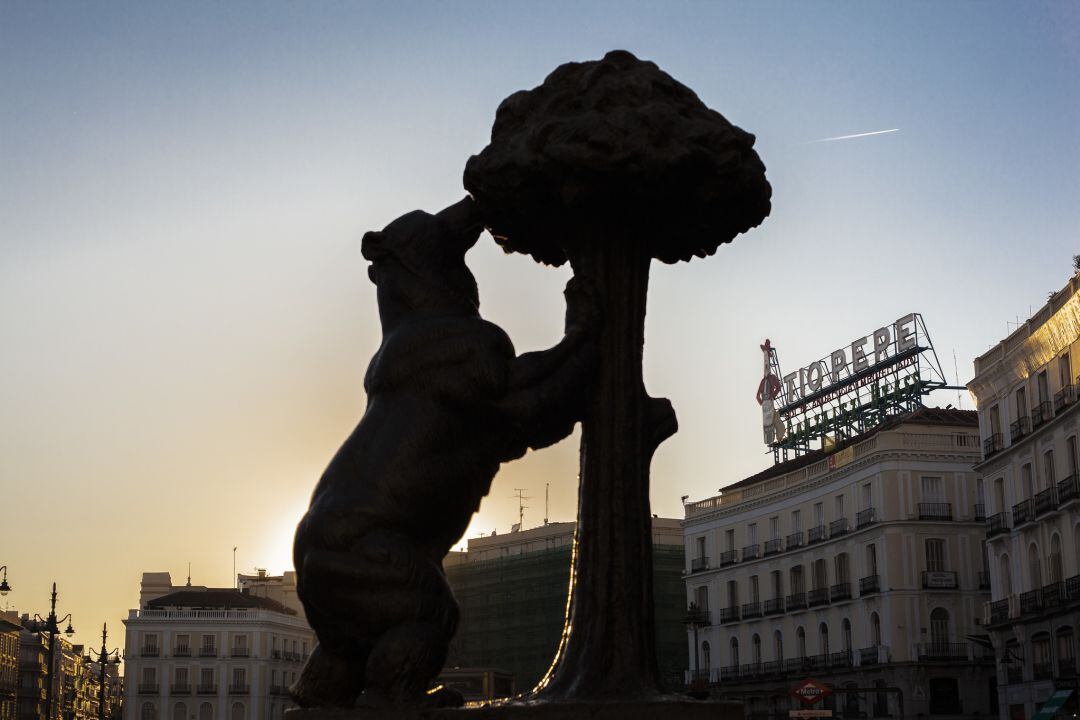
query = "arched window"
x=179 y=711
x=1054 y=569
x=237 y=711
x=1066 y=653
x=778 y=646
x=939 y=628
x=706 y=657
x=875 y=629
x=823 y=638
x=1006 y=576
x=149 y=712
x=1034 y=569
x=800 y=642
x=206 y=711
x=846 y=629
x=734 y=655
x=755 y=646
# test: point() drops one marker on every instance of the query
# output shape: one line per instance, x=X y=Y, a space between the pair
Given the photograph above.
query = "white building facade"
x=1026 y=389
x=197 y=653
x=862 y=569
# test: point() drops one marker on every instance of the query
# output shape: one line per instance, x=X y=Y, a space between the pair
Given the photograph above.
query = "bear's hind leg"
x=403 y=663
x=328 y=680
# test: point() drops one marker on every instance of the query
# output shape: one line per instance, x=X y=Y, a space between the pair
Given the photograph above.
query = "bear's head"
x=418 y=261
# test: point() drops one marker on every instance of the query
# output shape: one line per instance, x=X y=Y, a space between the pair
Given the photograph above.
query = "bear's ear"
x=372 y=245
x=464 y=221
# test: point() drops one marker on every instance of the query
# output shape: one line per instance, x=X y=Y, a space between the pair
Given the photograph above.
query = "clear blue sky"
x=185 y=313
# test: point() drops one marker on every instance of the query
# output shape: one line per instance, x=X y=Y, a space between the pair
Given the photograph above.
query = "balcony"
x=815 y=534
x=731 y=672
x=774 y=606
x=149 y=688
x=750 y=670
x=183 y=689
x=817 y=596
x=996 y=524
x=1023 y=512
x=1031 y=602
x=795 y=540
x=865 y=517
x=984 y=580
x=1072 y=587
x=275 y=654
x=796 y=601
x=869 y=584
x=1019 y=429
x=943 y=651
x=728 y=558
x=183 y=651
x=1064 y=397
x=1042 y=670
x=694 y=616
x=999 y=611
x=698 y=564
x=751 y=610
x=840 y=591
x=840 y=659
x=1046 y=501
x=868 y=656
x=207 y=652
x=772 y=667
x=979 y=512
x=939 y=579
x=729 y=614
x=935 y=511
x=1068 y=490
x=210 y=689
x=838 y=527
x=1041 y=413
x=773 y=547
x=239 y=689
x=992 y=445
x=149 y=651
x=1053 y=595
x=239 y=652
x=750 y=552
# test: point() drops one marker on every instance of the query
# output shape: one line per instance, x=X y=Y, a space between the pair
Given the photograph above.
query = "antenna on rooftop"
x=956 y=371
x=521 y=508
x=547 y=486
x=189 y=574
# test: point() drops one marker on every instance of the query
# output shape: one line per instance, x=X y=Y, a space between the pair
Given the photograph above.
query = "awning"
x=1052 y=705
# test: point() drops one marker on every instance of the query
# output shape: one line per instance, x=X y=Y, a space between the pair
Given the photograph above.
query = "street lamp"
x=51 y=626
x=104 y=658
x=4 y=587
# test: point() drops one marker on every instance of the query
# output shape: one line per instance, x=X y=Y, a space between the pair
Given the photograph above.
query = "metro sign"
x=810 y=691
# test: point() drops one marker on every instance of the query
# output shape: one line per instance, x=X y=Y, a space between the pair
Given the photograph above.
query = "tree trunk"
x=608 y=648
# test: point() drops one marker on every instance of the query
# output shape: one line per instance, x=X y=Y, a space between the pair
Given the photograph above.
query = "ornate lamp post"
x=104 y=658
x=4 y=587
x=50 y=626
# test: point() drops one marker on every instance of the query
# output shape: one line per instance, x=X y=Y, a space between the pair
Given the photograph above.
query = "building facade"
x=1026 y=390
x=10 y=629
x=862 y=569
x=512 y=591
x=198 y=653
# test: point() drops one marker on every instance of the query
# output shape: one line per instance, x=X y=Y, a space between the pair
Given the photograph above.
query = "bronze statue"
x=447 y=402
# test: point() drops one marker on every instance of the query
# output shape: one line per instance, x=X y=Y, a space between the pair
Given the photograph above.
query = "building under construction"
x=512 y=589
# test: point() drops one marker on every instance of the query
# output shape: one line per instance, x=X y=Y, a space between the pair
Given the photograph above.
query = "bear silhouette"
x=447 y=402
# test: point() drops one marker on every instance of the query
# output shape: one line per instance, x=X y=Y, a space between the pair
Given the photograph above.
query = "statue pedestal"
x=681 y=709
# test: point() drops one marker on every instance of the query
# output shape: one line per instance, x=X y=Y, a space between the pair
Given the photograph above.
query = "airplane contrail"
x=857 y=135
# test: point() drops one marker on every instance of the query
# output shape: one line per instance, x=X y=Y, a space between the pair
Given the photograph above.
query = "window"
x=751 y=534
x=842 y=568
x=1066 y=646
x=206 y=711
x=995 y=420
x=1021 y=403
x=774 y=528
x=209 y=643
x=796 y=521
x=1064 y=371
x=871 y=559
x=733 y=593
x=701 y=547
x=149 y=712
x=819 y=514
x=237 y=711
x=1005 y=574
x=149 y=676
x=777 y=584
x=1049 y=476
x=999 y=494
x=179 y=711
x=239 y=678
x=183 y=643
x=1034 y=569
x=755 y=647
x=754 y=593
x=838 y=508
x=1044 y=389
x=1027 y=484
x=1074 y=460
x=706 y=657
x=935 y=555
x=730 y=537
x=875 y=629
x=797 y=585
x=778 y=645
x=1040 y=650
x=823 y=638
x=820 y=577
x=150 y=642
x=206 y=677
x=181 y=677
x=939 y=627
x=701 y=597
x=846 y=630
x=932 y=490
x=867 y=496
x=734 y=655
x=800 y=642
x=1054 y=561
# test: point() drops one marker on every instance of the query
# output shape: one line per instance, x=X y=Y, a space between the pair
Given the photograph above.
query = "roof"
x=923 y=416
x=217 y=598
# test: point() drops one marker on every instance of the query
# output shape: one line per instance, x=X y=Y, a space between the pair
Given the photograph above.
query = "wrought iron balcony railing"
x=751 y=610
x=1031 y=602
x=943 y=651
x=992 y=445
x=865 y=517
x=698 y=564
x=796 y=601
x=239 y=689
x=180 y=689
x=210 y=689
x=240 y=652
x=935 y=511
x=838 y=526
x=207 y=652
x=999 y=611
x=868 y=656
x=750 y=552
x=996 y=524
x=869 y=584
x=728 y=558
x=1023 y=512
x=729 y=614
x=795 y=540
x=1066 y=667
x=149 y=651
x=1068 y=489
x=774 y=606
x=1042 y=670
x=696 y=616
x=1046 y=500
x=773 y=546
x=817 y=596
x=181 y=651
x=840 y=659
x=840 y=591
x=815 y=534
x=939 y=579
x=149 y=688
x=979 y=512
x=1041 y=413
x=1020 y=428
x=1053 y=595
x=1064 y=397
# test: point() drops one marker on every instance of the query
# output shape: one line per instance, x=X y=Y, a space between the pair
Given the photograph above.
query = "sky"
x=185 y=317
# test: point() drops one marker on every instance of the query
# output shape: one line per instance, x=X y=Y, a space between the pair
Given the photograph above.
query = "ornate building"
x=1026 y=389
x=10 y=628
x=861 y=568
x=199 y=653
